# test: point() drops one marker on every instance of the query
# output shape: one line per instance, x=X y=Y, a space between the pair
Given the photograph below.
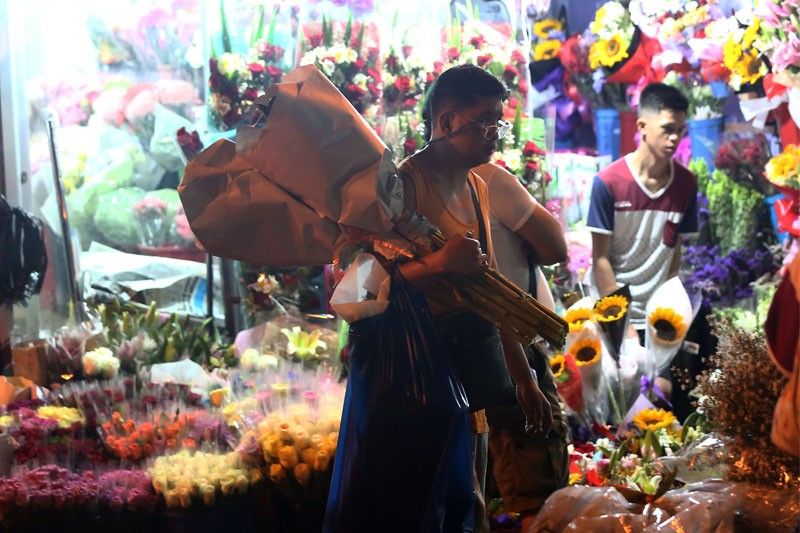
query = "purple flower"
x=598 y=80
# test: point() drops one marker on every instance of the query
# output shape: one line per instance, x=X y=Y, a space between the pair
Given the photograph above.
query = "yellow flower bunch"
x=546 y=50
x=300 y=440
x=586 y=351
x=783 y=169
x=65 y=416
x=653 y=419
x=5 y=421
x=577 y=318
x=608 y=52
x=742 y=58
x=186 y=476
x=543 y=28
x=235 y=412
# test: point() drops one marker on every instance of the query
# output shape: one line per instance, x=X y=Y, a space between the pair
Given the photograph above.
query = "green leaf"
x=226 y=37
x=360 y=40
x=348 y=30
x=517 y=127
x=258 y=33
x=273 y=21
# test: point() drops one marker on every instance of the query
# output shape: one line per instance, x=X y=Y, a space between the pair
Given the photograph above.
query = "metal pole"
x=75 y=297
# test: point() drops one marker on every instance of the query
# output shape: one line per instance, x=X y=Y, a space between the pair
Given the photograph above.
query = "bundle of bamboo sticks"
x=491 y=295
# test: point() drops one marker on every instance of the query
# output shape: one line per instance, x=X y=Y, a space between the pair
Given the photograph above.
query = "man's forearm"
x=516 y=361
x=604 y=276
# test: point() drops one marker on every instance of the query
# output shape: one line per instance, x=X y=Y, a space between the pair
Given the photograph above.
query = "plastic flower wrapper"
x=568 y=381
x=611 y=314
x=578 y=316
x=153 y=226
x=186 y=478
x=253 y=361
x=587 y=349
x=669 y=314
x=131 y=490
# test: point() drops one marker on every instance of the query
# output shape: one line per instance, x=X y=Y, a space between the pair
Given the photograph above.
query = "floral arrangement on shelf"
x=351 y=69
x=546 y=39
x=778 y=31
x=742 y=58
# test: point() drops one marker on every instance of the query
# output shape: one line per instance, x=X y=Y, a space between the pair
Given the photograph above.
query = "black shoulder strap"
x=479 y=215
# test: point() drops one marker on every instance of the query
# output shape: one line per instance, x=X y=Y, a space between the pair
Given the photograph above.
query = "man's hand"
x=538 y=414
x=461 y=255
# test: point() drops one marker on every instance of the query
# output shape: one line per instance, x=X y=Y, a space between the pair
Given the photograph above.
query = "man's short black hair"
x=462 y=86
x=659 y=96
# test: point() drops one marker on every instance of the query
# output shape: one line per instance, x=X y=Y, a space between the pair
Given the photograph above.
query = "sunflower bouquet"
x=587 y=350
x=742 y=58
x=613 y=31
x=546 y=39
x=669 y=314
x=611 y=313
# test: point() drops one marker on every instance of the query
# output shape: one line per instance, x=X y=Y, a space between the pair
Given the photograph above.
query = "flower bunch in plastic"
x=197 y=477
x=45 y=489
x=405 y=78
x=127 y=490
x=138 y=437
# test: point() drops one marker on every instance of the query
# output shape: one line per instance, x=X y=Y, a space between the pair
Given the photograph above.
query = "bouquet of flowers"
x=669 y=314
x=345 y=63
x=744 y=161
x=613 y=31
x=547 y=36
x=100 y=363
x=585 y=84
x=127 y=490
x=236 y=80
x=783 y=171
x=568 y=381
x=405 y=80
x=742 y=58
x=778 y=29
x=528 y=164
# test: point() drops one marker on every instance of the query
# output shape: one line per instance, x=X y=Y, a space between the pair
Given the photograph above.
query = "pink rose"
x=109 y=105
x=141 y=105
x=176 y=92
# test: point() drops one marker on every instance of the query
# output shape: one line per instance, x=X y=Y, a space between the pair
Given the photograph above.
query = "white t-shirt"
x=511 y=206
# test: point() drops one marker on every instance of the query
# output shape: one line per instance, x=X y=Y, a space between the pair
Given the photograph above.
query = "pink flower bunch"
x=48 y=487
x=782 y=29
x=131 y=489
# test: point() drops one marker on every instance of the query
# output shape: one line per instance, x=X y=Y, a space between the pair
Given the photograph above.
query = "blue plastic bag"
x=403 y=459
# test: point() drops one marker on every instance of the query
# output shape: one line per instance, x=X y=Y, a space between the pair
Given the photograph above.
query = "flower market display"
x=177 y=391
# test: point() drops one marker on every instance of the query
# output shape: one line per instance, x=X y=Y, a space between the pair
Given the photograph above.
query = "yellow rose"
x=308 y=455
x=208 y=495
x=321 y=461
x=276 y=473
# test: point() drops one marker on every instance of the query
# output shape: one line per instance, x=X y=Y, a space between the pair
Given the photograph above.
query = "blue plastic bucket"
x=705 y=136
x=606 y=129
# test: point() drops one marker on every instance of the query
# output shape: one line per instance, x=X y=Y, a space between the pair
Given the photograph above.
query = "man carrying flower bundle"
x=643 y=204
x=465 y=106
x=527 y=468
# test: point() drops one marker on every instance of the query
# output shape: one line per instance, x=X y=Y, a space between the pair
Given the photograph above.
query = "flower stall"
x=151 y=384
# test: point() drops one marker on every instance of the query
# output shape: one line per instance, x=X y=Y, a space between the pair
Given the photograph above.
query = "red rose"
x=501 y=163
x=251 y=93
x=523 y=86
x=407 y=49
x=430 y=77
x=403 y=84
x=510 y=73
x=531 y=167
x=453 y=53
x=531 y=149
x=547 y=178
x=355 y=90
x=518 y=57
x=275 y=72
x=374 y=74
x=437 y=67
x=484 y=59
x=359 y=64
x=374 y=90
x=594 y=479
x=477 y=41
x=391 y=63
x=409 y=147
x=410 y=103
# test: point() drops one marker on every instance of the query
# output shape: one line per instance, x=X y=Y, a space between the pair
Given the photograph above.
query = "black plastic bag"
x=403 y=459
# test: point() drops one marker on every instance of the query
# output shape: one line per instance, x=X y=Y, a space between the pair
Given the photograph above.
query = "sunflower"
x=609 y=52
x=586 y=351
x=543 y=28
x=546 y=50
x=557 y=366
x=750 y=68
x=751 y=33
x=611 y=308
x=577 y=318
x=653 y=419
x=667 y=325
x=731 y=53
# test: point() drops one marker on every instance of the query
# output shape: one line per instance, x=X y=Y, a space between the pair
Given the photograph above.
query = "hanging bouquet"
x=405 y=80
x=582 y=83
x=742 y=58
x=779 y=30
x=345 y=63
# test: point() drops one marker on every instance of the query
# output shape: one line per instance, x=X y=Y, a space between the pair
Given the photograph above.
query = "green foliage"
x=734 y=210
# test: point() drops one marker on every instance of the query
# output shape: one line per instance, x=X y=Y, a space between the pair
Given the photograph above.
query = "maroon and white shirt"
x=645 y=226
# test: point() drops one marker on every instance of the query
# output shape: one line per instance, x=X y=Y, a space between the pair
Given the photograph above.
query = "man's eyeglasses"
x=491 y=131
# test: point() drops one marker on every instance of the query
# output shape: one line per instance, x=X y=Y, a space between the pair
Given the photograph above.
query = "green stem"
x=614 y=403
